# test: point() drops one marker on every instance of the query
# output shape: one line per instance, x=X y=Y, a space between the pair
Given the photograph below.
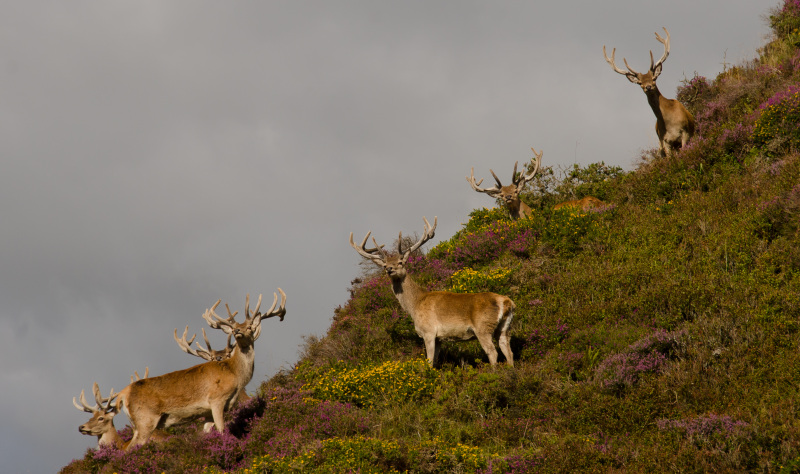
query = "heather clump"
x=620 y=371
x=292 y=420
x=543 y=339
x=482 y=244
x=777 y=128
x=785 y=20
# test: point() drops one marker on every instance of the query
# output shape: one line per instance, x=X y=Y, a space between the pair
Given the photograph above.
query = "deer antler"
x=101 y=404
x=427 y=235
x=280 y=312
x=632 y=75
x=656 y=68
x=147 y=369
x=187 y=345
x=85 y=406
x=475 y=185
x=524 y=178
x=368 y=253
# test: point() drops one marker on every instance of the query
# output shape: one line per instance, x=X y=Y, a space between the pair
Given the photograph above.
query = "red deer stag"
x=441 y=315
x=101 y=424
x=209 y=355
x=674 y=124
x=205 y=390
x=510 y=194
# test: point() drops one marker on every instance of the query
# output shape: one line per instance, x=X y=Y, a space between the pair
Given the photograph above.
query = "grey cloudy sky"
x=157 y=156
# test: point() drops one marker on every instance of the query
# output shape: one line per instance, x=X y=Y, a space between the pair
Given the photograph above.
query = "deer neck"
x=518 y=209
x=110 y=438
x=242 y=362
x=656 y=100
x=514 y=208
x=407 y=292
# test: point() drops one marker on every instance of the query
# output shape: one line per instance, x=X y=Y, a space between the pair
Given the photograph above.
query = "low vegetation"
x=660 y=333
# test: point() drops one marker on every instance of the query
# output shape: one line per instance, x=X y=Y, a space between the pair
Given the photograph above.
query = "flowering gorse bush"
x=468 y=280
x=568 y=228
x=357 y=454
x=375 y=384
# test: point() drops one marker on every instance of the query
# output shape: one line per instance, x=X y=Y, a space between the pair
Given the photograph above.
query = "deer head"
x=510 y=194
x=101 y=424
x=394 y=265
x=647 y=81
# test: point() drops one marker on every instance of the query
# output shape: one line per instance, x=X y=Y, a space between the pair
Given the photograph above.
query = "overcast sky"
x=158 y=156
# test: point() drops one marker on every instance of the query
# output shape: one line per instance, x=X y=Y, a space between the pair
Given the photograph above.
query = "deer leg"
x=218 y=413
x=502 y=338
x=488 y=346
x=684 y=138
x=142 y=432
x=431 y=350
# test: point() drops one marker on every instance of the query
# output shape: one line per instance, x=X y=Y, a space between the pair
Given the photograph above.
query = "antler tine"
x=85 y=406
x=665 y=42
x=629 y=68
x=205 y=338
x=514 y=179
x=476 y=185
x=146 y=369
x=231 y=316
x=281 y=312
x=426 y=236
x=252 y=314
x=377 y=249
x=499 y=184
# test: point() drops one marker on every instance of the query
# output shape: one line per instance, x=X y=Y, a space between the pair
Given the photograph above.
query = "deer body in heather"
x=205 y=390
x=510 y=194
x=674 y=124
x=442 y=315
x=586 y=203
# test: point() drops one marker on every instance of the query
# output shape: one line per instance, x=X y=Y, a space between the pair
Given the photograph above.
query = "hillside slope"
x=660 y=333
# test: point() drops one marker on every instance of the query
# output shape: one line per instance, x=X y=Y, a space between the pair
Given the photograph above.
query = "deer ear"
x=633 y=78
x=657 y=70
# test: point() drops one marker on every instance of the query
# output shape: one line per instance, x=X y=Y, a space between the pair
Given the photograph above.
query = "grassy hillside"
x=658 y=334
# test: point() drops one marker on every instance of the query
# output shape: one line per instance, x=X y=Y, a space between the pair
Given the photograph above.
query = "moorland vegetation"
x=659 y=333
